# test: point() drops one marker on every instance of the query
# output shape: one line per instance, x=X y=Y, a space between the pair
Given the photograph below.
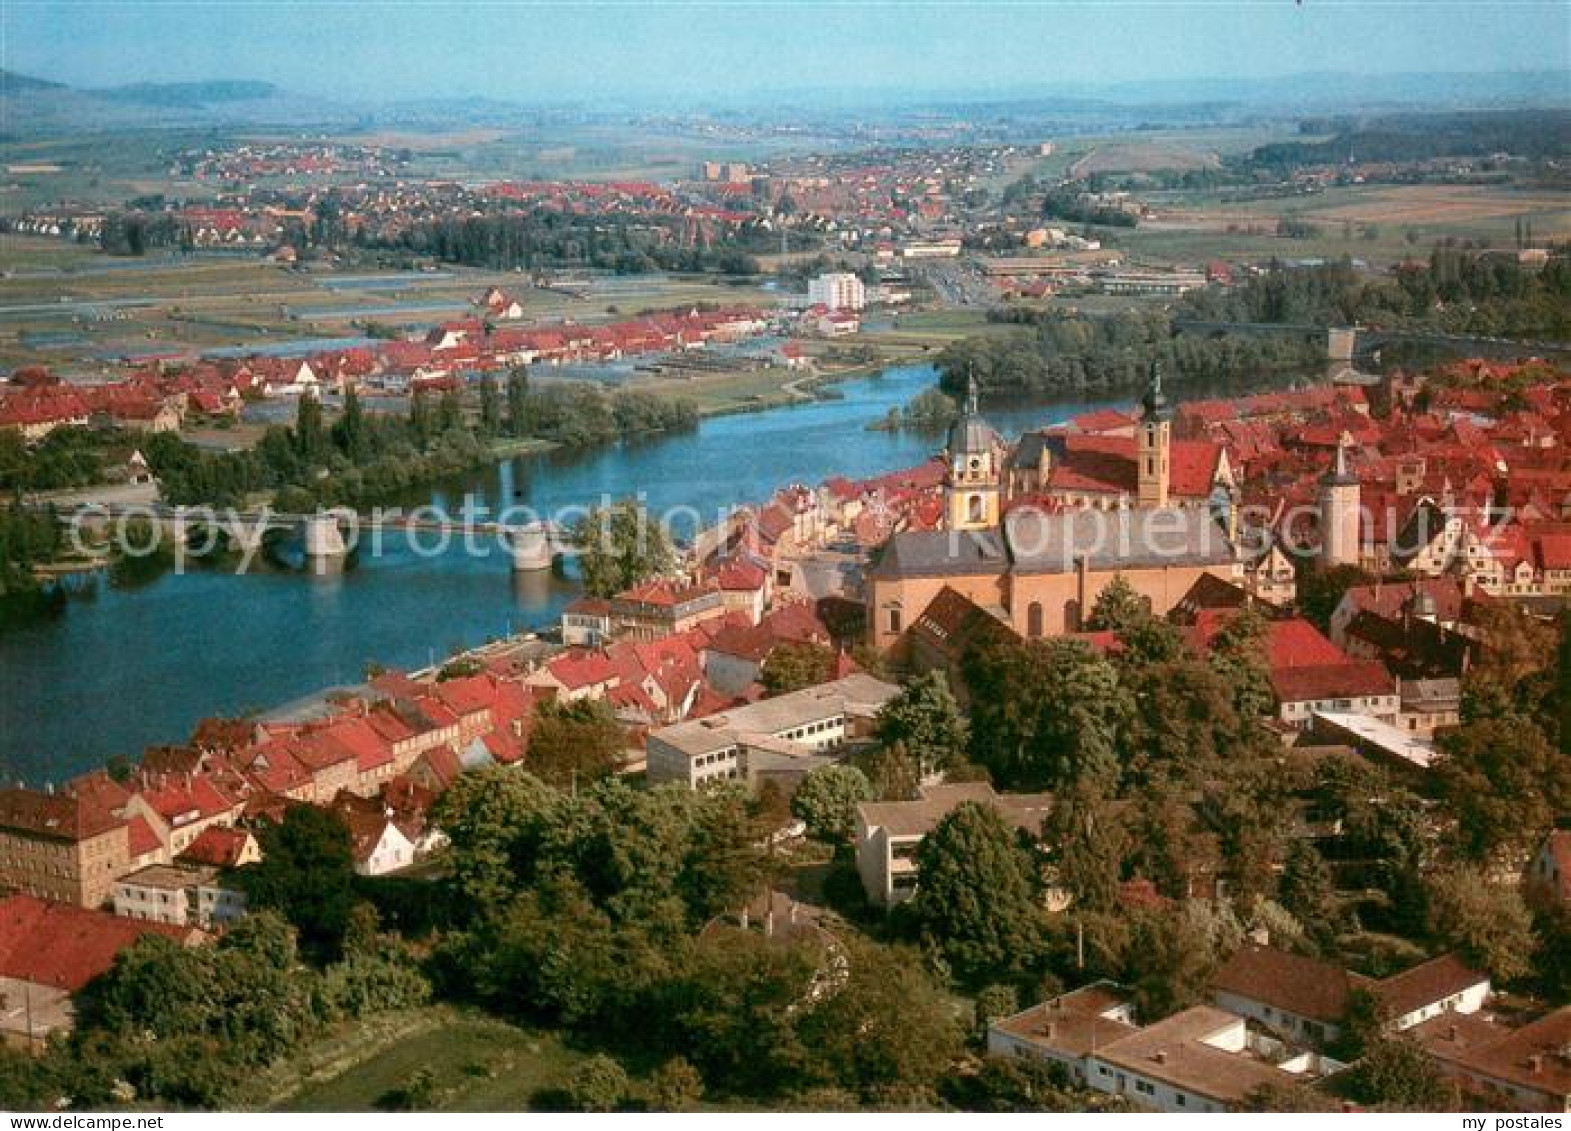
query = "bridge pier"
x=325 y=550
x=532 y=548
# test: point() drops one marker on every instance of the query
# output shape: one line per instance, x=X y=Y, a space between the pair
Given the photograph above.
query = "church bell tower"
x=973 y=471
x=1154 y=445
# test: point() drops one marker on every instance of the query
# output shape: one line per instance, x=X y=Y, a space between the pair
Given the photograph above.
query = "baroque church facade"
x=1034 y=536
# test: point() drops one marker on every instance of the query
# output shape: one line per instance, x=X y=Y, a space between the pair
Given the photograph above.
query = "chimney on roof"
x=1451 y=1032
x=1160 y=1056
x=1535 y=1063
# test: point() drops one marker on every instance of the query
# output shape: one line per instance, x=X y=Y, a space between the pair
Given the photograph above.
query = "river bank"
x=138 y=660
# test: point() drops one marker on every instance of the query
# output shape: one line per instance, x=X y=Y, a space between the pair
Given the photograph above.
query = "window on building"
x=975 y=512
x=894 y=620
x=1034 y=619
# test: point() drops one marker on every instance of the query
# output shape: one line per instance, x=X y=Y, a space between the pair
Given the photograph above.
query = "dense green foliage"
x=1455 y=291
x=548 y=238
x=306 y=874
x=586 y=908
x=1067 y=354
x=924 y=720
x=797 y=664
x=826 y=802
x=620 y=545
x=185 y=1027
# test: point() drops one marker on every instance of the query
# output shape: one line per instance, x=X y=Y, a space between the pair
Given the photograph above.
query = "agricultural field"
x=1150 y=151
x=63 y=305
x=1144 y=157
x=1380 y=223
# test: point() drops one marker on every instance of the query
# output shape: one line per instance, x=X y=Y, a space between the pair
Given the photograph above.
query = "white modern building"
x=838 y=290
x=788 y=735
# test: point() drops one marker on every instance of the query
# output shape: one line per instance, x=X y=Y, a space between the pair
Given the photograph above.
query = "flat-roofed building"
x=1200 y=1060
x=179 y=896
x=789 y=734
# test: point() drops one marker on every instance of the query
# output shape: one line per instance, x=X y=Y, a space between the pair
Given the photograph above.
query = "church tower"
x=1154 y=445
x=1339 y=504
x=973 y=472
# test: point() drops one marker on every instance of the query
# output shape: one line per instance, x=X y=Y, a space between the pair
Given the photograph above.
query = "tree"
x=1489 y=924
x=978 y=897
x=1397 y=1074
x=886 y=1029
x=675 y=1086
x=490 y=408
x=1238 y=655
x=421 y=425
x=599 y=1084
x=1504 y=784
x=307 y=874
x=1307 y=894
x=518 y=401
x=827 y=799
x=1184 y=724
x=495 y=820
x=797 y=664
x=1118 y=607
x=723 y=865
x=1290 y=1096
x=892 y=773
x=994 y=1003
x=926 y=721
x=1552 y=924
x=1017 y=1084
x=734 y=1006
x=309 y=435
x=1044 y=712
x=1087 y=845
x=618 y=546
x=575 y=743
x=350 y=431
x=1168 y=962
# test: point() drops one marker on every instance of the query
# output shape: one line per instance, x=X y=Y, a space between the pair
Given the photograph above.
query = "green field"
x=1378 y=223
x=480 y=1064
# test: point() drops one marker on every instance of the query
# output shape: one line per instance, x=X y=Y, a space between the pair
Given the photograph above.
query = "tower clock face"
x=976 y=464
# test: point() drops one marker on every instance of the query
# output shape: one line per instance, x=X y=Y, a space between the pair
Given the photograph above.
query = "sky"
x=624 y=50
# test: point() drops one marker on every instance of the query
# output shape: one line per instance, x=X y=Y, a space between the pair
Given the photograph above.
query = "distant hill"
x=13 y=83
x=189 y=94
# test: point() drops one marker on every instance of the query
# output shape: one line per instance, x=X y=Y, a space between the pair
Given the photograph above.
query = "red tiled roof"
x=141 y=840
x=218 y=846
x=1332 y=681
x=1303 y=986
x=61 y=945
x=56 y=816
x=581 y=669
x=1427 y=983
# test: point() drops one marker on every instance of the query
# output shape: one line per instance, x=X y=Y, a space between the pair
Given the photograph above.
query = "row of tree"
x=1064 y=354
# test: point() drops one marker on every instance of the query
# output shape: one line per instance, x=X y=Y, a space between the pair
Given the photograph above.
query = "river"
x=124 y=668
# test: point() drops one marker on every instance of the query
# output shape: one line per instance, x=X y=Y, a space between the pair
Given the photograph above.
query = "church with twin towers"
x=1033 y=532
